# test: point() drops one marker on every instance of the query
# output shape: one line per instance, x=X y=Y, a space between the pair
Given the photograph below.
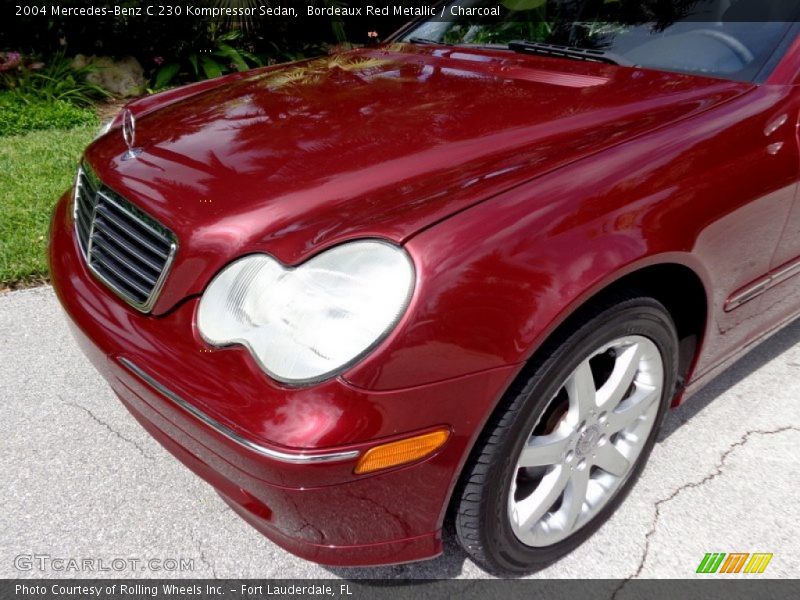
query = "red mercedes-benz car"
x=459 y=275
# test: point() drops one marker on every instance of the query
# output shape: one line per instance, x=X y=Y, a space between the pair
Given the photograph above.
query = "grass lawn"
x=35 y=169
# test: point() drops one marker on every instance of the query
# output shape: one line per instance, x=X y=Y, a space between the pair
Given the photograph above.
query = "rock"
x=124 y=77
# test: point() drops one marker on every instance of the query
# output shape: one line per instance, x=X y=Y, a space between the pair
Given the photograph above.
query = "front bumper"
x=257 y=437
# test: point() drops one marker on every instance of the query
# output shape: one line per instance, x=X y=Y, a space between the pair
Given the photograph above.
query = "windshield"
x=733 y=39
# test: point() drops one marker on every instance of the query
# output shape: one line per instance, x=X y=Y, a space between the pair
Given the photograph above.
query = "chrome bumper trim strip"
x=286 y=457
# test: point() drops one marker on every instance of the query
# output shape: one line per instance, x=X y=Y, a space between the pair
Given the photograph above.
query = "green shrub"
x=19 y=116
x=225 y=58
x=56 y=79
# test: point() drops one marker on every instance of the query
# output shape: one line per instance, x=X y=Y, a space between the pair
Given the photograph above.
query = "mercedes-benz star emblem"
x=129 y=134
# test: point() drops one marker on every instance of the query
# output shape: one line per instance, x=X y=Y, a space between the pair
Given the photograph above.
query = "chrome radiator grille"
x=126 y=249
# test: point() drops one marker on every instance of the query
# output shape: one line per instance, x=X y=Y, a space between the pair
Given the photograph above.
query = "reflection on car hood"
x=379 y=142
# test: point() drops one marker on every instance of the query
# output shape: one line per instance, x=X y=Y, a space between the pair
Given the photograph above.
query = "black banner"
x=254 y=589
x=711 y=11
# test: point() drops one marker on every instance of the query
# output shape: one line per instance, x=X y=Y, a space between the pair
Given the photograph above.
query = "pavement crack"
x=203 y=558
x=716 y=472
x=113 y=431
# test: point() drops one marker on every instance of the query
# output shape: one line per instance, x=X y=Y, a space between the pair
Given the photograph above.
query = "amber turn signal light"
x=401 y=451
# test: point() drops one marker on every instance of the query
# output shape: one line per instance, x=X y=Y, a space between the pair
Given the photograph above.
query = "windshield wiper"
x=422 y=40
x=569 y=52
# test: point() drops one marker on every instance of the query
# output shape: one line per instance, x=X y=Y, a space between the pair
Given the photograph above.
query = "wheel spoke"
x=543 y=450
x=574 y=497
x=626 y=366
x=534 y=507
x=581 y=392
x=642 y=400
x=611 y=460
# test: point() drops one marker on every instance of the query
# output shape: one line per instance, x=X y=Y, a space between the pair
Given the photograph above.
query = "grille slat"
x=132 y=218
x=83 y=233
x=84 y=205
x=101 y=245
x=85 y=214
x=104 y=219
x=119 y=244
x=121 y=281
x=124 y=247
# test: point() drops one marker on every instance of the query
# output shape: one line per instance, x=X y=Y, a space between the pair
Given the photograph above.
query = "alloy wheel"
x=586 y=442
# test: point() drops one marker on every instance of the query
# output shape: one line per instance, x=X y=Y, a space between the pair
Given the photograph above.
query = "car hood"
x=372 y=143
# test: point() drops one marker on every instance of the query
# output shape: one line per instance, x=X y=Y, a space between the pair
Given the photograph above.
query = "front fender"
x=492 y=289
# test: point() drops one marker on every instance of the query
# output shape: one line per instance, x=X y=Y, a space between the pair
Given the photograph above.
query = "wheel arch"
x=678 y=280
x=682 y=290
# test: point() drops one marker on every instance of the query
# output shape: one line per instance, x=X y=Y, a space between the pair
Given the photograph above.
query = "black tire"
x=480 y=511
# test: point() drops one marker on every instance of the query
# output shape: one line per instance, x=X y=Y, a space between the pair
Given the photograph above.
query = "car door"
x=782 y=287
x=754 y=186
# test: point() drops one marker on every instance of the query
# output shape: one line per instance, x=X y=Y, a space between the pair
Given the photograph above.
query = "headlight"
x=307 y=323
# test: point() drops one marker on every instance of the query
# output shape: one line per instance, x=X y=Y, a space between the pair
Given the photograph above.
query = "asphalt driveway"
x=81 y=479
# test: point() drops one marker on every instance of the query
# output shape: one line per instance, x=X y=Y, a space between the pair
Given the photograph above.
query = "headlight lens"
x=306 y=323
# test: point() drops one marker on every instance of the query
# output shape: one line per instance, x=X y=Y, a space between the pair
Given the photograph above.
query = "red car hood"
x=380 y=142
